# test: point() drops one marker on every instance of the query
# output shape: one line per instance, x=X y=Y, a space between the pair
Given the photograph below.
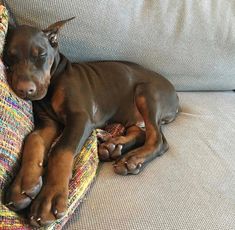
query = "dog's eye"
x=42 y=55
x=12 y=56
x=12 y=53
x=39 y=58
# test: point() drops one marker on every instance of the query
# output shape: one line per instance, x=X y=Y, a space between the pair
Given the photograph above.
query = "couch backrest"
x=191 y=42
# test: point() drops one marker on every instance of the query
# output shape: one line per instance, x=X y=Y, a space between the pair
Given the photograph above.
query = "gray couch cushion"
x=190 y=42
x=192 y=186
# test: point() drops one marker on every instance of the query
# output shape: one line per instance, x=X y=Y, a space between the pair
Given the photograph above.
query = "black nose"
x=26 y=88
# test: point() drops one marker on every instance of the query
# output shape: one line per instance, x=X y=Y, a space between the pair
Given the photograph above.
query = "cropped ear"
x=53 y=30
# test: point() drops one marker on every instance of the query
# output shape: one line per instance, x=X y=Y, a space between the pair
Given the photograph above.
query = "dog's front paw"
x=50 y=204
x=25 y=187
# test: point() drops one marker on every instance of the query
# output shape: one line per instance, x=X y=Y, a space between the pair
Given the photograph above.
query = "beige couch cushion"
x=191 y=187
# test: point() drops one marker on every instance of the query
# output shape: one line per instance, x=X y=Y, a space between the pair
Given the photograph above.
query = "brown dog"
x=72 y=100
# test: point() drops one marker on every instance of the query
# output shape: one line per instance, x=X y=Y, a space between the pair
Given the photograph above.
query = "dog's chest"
x=57 y=101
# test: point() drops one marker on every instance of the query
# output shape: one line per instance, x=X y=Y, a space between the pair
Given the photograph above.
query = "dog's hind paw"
x=129 y=164
x=108 y=151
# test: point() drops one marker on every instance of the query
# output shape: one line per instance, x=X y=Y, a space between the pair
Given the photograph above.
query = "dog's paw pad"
x=103 y=153
x=117 y=152
x=109 y=151
x=128 y=165
x=19 y=203
x=48 y=206
x=18 y=197
x=32 y=189
x=25 y=186
x=60 y=206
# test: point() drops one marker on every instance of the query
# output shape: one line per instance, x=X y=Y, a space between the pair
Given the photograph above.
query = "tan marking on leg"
x=152 y=135
x=38 y=144
x=60 y=167
x=58 y=100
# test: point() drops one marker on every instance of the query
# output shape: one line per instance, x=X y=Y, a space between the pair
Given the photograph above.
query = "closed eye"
x=12 y=56
x=42 y=55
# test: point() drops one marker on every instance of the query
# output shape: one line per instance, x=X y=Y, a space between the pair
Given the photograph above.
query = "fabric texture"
x=16 y=121
x=192 y=186
x=189 y=42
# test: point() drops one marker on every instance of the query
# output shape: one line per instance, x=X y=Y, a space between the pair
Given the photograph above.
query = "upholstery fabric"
x=191 y=42
x=192 y=186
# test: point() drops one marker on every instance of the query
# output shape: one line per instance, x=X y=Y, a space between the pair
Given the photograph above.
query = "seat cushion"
x=192 y=186
x=190 y=42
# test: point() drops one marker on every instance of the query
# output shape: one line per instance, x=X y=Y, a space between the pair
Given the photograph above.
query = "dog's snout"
x=26 y=88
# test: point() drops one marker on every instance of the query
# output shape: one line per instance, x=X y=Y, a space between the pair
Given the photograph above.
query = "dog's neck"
x=59 y=65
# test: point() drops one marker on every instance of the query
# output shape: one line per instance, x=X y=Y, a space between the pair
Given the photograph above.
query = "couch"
x=192 y=43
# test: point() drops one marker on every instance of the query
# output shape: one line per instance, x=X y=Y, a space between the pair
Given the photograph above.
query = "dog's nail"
x=23 y=192
x=139 y=166
x=40 y=164
x=38 y=219
x=55 y=212
x=120 y=147
x=32 y=217
x=9 y=204
x=126 y=163
x=111 y=146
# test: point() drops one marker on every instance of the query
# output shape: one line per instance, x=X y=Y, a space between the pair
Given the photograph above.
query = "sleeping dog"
x=72 y=99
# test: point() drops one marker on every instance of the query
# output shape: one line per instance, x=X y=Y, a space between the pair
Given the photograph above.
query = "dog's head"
x=30 y=55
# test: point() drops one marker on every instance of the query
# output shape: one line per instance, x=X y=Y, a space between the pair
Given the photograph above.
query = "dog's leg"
x=28 y=181
x=155 y=144
x=115 y=147
x=51 y=202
